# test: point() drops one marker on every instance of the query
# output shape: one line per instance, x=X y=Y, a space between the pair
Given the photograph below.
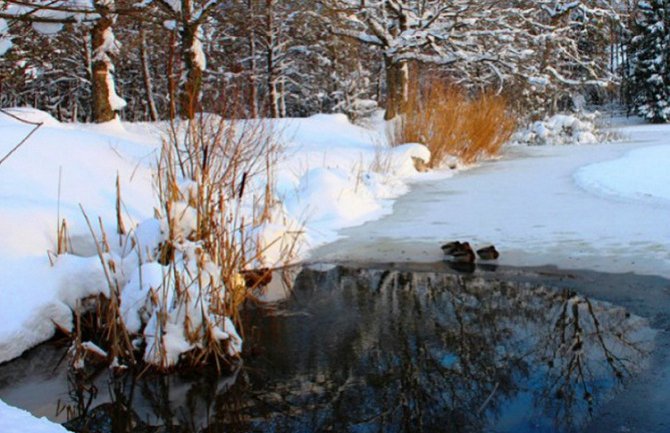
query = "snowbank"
x=641 y=174
x=14 y=420
x=334 y=175
x=80 y=167
x=557 y=130
x=337 y=174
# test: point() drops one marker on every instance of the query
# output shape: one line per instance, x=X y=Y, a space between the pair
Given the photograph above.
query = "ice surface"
x=602 y=207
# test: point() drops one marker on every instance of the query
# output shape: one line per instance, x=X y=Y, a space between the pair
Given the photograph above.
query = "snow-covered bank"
x=14 y=420
x=333 y=175
x=602 y=207
x=640 y=175
x=58 y=168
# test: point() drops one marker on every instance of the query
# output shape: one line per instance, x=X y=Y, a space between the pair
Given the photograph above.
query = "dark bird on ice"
x=488 y=253
x=460 y=251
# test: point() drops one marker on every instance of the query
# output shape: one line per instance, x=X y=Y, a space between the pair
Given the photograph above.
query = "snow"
x=641 y=174
x=48 y=29
x=93 y=348
x=559 y=129
x=34 y=292
x=199 y=57
x=337 y=174
x=14 y=420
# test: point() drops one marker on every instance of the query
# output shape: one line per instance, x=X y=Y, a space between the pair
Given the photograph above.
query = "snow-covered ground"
x=603 y=207
x=333 y=175
x=13 y=420
x=329 y=177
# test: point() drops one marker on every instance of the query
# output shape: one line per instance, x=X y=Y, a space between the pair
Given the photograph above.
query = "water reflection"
x=389 y=351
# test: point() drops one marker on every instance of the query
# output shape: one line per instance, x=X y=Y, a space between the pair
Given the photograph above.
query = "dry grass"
x=214 y=181
x=223 y=170
x=449 y=122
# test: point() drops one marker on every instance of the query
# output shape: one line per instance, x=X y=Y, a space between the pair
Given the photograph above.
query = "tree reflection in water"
x=390 y=351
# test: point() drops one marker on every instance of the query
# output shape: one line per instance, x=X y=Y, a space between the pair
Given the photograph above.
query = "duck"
x=488 y=253
x=450 y=247
x=460 y=251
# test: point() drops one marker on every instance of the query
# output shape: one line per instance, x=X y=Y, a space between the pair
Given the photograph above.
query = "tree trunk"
x=171 y=81
x=272 y=72
x=397 y=87
x=253 y=91
x=100 y=73
x=274 y=106
x=146 y=75
x=282 y=97
x=190 y=93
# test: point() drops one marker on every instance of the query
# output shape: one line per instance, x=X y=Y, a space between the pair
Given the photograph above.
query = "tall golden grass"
x=449 y=122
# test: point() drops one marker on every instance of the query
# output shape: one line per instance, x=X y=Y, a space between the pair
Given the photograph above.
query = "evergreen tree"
x=651 y=77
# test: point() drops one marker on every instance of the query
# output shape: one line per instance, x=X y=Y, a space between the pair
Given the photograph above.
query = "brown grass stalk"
x=450 y=123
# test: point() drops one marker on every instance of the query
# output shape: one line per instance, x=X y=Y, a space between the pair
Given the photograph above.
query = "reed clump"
x=452 y=123
x=177 y=281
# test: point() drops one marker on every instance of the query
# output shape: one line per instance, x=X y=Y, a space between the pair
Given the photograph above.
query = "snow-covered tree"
x=49 y=17
x=188 y=18
x=541 y=45
x=432 y=31
x=651 y=56
x=48 y=72
x=568 y=46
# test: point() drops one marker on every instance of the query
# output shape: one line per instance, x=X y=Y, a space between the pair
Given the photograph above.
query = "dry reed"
x=214 y=182
x=450 y=123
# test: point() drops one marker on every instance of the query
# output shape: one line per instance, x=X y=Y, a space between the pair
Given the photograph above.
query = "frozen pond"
x=602 y=207
x=417 y=348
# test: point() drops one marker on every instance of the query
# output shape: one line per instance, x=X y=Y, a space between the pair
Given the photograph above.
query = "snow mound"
x=38 y=295
x=558 y=130
x=14 y=420
x=29 y=115
x=641 y=174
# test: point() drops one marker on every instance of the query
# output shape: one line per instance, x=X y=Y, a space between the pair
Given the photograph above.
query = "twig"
x=15 y=117
x=15 y=148
x=488 y=399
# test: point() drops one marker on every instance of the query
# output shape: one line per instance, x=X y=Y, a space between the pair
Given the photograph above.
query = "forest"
x=88 y=60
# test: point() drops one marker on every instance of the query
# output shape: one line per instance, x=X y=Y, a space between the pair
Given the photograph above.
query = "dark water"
x=375 y=351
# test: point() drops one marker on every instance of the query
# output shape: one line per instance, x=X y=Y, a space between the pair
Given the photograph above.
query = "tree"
x=49 y=17
x=429 y=31
x=541 y=46
x=569 y=46
x=189 y=18
x=651 y=77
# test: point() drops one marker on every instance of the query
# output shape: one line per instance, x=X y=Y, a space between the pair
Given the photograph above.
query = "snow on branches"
x=542 y=46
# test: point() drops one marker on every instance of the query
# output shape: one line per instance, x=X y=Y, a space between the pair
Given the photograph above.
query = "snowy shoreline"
x=602 y=207
x=333 y=175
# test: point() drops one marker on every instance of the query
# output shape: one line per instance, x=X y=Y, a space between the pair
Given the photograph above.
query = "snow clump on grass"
x=560 y=129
